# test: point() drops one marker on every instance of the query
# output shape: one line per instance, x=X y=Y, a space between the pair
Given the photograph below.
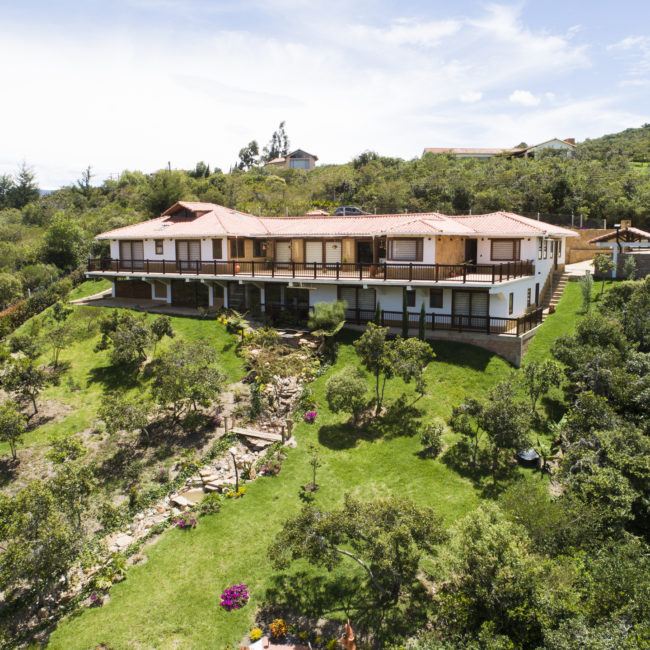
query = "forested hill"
x=634 y=144
x=43 y=235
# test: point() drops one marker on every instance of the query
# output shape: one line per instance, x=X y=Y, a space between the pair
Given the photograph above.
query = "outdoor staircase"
x=552 y=297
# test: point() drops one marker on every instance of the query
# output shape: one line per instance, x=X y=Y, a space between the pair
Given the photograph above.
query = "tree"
x=64 y=244
x=26 y=343
x=586 y=288
x=465 y=421
x=24 y=189
x=59 y=312
x=346 y=391
x=12 y=425
x=630 y=267
x=65 y=449
x=37 y=542
x=11 y=289
x=161 y=326
x=422 y=324
x=123 y=412
x=431 y=439
x=200 y=171
x=74 y=481
x=187 y=376
x=60 y=336
x=128 y=337
x=386 y=538
x=505 y=425
x=165 y=188
x=377 y=319
x=25 y=379
x=404 y=358
x=603 y=264
x=490 y=577
x=537 y=378
x=6 y=185
x=314 y=463
x=373 y=350
x=326 y=321
x=248 y=156
x=278 y=145
x=83 y=184
x=405 y=316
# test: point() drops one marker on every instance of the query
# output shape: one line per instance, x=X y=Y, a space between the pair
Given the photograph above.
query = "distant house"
x=297 y=159
x=567 y=145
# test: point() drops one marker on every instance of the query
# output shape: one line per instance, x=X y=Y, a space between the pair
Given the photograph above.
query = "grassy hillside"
x=633 y=144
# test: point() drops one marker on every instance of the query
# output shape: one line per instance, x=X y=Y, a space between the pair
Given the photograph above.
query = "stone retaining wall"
x=577 y=248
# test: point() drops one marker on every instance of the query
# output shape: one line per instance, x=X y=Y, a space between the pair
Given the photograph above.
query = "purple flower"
x=234 y=597
x=310 y=416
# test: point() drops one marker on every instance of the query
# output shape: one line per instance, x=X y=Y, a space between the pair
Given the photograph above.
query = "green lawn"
x=563 y=321
x=173 y=599
x=89 y=288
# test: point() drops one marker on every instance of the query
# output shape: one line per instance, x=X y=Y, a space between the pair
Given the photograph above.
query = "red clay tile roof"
x=216 y=220
x=474 y=151
x=624 y=235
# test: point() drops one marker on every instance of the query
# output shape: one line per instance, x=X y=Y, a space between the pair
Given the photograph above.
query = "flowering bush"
x=271 y=468
x=278 y=628
x=310 y=417
x=232 y=494
x=234 y=597
x=163 y=475
x=218 y=420
x=255 y=634
x=95 y=599
x=185 y=521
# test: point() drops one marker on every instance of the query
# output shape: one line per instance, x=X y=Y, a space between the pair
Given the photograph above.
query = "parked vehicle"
x=348 y=210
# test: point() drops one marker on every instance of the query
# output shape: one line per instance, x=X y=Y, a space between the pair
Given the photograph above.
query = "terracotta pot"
x=373 y=270
x=236 y=268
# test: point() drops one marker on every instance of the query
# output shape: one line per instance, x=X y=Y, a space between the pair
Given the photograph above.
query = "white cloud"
x=136 y=97
x=524 y=97
x=409 y=32
x=636 y=51
x=471 y=97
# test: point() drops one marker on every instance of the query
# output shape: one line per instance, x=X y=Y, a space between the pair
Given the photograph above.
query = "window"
x=259 y=247
x=405 y=250
x=410 y=298
x=299 y=164
x=545 y=248
x=217 y=249
x=559 y=248
x=435 y=298
x=237 y=248
x=358 y=298
x=528 y=297
x=506 y=250
x=511 y=303
x=540 y=244
x=159 y=246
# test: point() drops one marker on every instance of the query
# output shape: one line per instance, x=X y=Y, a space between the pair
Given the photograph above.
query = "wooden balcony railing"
x=433 y=322
x=460 y=273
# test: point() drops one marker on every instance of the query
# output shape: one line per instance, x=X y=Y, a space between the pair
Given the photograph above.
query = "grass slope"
x=173 y=599
x=92 y=373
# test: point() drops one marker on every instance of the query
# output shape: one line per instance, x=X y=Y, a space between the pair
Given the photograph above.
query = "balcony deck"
x=336 y=271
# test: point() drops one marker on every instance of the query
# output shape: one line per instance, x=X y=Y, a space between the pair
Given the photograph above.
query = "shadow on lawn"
x=114 y=377
x=344 y=595
x=398 y=419
x=462 y=354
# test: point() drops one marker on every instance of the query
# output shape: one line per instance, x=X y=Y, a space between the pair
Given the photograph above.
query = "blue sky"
x=133 y=84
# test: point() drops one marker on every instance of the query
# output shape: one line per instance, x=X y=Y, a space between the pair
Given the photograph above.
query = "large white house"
x=477 y=273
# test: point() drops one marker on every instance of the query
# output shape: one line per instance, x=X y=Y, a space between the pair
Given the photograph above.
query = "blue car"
x=348 y=210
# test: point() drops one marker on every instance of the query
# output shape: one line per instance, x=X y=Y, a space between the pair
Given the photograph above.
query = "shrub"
x=346 y=391
x=310 y=417
x=431 y=439
x=332 y=644
x=586 y=287
x=185 y=521
x=234 y=597
x=236 y=494
x=255 y=634
x=278 y=628
x=210 y=504
x=271 y=468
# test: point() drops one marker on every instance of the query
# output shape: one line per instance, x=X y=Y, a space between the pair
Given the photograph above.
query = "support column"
x=113 y=282
x=226 y=300
x=169 y=293
x=263 y=297
x=615 y=260
x=210 y=294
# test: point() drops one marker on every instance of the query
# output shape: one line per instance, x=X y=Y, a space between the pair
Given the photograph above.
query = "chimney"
x=570 y=140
